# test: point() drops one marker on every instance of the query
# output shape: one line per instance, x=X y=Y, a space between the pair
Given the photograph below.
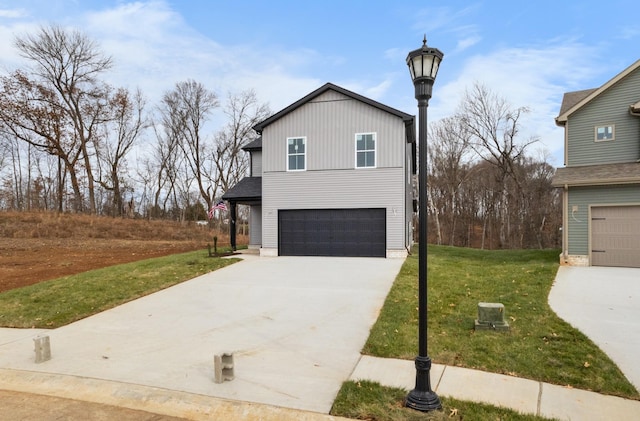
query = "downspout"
x=565 y=224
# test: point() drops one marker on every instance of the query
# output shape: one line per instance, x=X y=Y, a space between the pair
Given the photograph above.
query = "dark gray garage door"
x=332 y=232
x=615 y=236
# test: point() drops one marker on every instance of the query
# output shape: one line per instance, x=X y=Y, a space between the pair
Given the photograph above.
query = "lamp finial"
x=424 y=41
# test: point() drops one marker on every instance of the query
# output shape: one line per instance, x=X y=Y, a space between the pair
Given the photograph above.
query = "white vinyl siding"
x=365 y=150
x=255 y=224
x=329 y=124
x=256 y=164
x=335 y=190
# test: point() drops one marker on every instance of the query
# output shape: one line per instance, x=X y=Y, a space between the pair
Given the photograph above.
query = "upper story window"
x=296 y=153
x=605 y=132
x=365 y=150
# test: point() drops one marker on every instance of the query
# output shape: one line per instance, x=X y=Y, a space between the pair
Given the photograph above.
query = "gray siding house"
x=331 y=175
x=601 y=177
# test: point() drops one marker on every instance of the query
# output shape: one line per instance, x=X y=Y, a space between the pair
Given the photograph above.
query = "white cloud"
x=535 y=77
x=467 y=42
x=153 y=48
x=12 y=13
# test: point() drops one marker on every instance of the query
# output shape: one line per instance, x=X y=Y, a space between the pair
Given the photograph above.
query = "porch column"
x=232 y=225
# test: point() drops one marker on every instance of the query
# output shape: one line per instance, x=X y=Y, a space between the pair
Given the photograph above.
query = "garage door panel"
x=615 y=236
x=332 y=232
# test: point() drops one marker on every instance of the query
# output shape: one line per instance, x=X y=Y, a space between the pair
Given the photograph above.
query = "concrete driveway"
x=295 y=327
x=604 y=303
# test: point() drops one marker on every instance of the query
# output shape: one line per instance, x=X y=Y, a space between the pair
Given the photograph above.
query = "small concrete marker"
x=43 y=348
x=491 y=317
x=223 y=367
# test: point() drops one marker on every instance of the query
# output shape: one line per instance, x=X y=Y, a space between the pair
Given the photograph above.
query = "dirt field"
x=27 y=261
x=39 y=247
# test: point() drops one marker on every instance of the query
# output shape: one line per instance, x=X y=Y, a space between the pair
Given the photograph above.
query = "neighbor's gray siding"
x=333 y=189
x=583 y=197
x=408 y=198
x=256 y=164
x=610 y=107
x=330 y=123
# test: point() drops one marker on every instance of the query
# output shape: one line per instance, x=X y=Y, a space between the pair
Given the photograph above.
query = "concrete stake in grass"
x=491 y=317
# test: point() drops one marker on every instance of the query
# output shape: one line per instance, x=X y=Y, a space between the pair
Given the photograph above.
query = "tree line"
x=485 y=189
x=70 y=142
x=67 y=138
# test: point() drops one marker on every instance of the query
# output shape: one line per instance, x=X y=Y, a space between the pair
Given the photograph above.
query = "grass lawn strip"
x=58 y=302
x=370 y=401
x=539 y=346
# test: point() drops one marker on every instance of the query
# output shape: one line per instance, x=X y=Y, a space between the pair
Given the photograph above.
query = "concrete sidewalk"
x=526 y=396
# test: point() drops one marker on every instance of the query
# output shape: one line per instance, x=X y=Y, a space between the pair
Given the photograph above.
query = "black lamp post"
x=423 y=64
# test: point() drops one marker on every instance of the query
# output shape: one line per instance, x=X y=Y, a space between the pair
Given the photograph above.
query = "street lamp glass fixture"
x=423 y=65
x=424 y=62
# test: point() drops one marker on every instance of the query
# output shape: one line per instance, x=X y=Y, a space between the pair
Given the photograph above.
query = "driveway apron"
x=294 y=325
x=603 y=303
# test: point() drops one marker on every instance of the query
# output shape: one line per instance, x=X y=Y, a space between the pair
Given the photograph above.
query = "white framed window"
x=365 y=150
x=605 y=133
x=296 y=153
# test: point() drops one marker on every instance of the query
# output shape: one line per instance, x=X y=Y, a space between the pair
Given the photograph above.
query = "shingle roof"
x=591 y=94
x=595 y=175
x=324 y=88
x=253 y=145
x=248 y=189
x=572 y=98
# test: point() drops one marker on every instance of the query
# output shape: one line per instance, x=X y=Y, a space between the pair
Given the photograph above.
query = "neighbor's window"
x=365 y=150
x=604 y=133
x=296 y=153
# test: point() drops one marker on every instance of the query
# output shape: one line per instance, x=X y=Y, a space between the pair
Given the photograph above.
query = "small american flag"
x=220 y=205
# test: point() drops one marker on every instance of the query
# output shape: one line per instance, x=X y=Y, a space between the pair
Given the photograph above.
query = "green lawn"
x=370 y=401
x=539 y=345
x=62 y=301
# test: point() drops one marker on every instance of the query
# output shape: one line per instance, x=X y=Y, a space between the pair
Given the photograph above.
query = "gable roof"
x=580 y=98
x=409 y=119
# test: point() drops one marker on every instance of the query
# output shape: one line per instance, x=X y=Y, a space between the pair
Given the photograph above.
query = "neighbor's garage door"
x=615 y=236
x=332 y=232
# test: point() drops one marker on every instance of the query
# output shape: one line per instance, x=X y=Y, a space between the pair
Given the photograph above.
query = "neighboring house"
x=601 y=177
x=331 y=175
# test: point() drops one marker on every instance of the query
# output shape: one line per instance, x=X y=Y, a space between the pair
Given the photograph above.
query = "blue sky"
x=527 y=52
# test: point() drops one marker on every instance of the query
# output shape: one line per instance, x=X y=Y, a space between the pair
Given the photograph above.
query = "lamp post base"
x=422 y=398
x=425 y=401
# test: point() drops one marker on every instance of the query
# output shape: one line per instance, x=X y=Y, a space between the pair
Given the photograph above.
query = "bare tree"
x=60 y=103
x=128 y=122
x=449 y=150
x=244 y=111
x=157 y=170
x=184 y=112
x=494 y=127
